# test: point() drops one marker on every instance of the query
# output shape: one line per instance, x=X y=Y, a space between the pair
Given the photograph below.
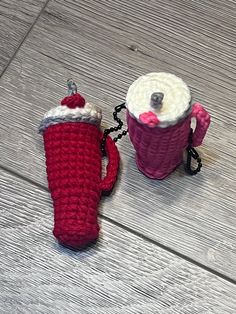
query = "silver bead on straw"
x=156 y=100
x=72 y=88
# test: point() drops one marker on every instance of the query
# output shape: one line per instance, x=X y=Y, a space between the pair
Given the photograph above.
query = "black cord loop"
x=192 y=153
x=114 y=129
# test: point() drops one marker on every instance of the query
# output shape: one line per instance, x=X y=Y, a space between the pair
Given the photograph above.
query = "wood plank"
x=16 y=19
x=122 y=274
x=91 y=43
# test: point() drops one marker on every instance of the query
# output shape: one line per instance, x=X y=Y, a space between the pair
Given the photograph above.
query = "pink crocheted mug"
x=160 y=150
x=159 y=114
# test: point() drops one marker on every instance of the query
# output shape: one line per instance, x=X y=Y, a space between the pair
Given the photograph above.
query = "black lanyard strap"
x=114 y=129
x=192 y=154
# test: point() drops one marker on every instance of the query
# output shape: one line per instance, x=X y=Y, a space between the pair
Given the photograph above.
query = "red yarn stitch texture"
x=73 y=101
x=73 y=160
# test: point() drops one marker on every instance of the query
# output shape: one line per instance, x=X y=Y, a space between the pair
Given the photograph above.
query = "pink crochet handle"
x=195 y=138
x=203 y=120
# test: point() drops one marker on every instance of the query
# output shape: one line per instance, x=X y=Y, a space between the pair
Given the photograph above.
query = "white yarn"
x=176 y=101
x=89 y=110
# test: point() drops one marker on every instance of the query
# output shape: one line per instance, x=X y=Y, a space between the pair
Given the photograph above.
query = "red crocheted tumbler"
x=74 y=164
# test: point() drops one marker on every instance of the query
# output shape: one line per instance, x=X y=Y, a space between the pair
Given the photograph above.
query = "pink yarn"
x=203 y=121
x=160 y=150
x=149 y=118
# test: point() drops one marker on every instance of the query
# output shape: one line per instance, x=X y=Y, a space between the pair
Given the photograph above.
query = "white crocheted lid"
x=175 y=104
x=61 y=114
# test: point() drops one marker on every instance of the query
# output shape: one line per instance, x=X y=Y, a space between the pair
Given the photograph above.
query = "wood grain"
x=91 y=42
x=16 y=19
x=122 y=274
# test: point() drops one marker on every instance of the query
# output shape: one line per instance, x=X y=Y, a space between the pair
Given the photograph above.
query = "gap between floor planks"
x=134 y=232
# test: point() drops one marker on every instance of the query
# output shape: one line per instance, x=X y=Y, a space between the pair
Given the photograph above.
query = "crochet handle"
x=196 y=137
x=203 y=121
x=112 y=168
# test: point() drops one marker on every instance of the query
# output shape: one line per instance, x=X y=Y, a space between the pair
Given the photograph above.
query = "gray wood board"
x=122 y=274
x=90 y=42
x=16 y=19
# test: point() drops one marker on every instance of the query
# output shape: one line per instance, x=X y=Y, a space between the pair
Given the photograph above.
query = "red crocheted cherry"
x=73 y=101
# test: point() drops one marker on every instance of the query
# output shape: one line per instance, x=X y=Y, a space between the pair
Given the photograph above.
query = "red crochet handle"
x=112 y=168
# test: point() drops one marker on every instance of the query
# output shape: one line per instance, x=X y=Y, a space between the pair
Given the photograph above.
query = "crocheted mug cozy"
x=159 y=117
x=159 y=114
x=72 y=140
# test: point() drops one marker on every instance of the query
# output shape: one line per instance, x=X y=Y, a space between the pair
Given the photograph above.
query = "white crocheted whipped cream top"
x=175 y=104
x=62 y=114
x=89 y=110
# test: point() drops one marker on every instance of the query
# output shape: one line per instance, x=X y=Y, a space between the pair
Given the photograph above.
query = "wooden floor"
x=165 y=247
